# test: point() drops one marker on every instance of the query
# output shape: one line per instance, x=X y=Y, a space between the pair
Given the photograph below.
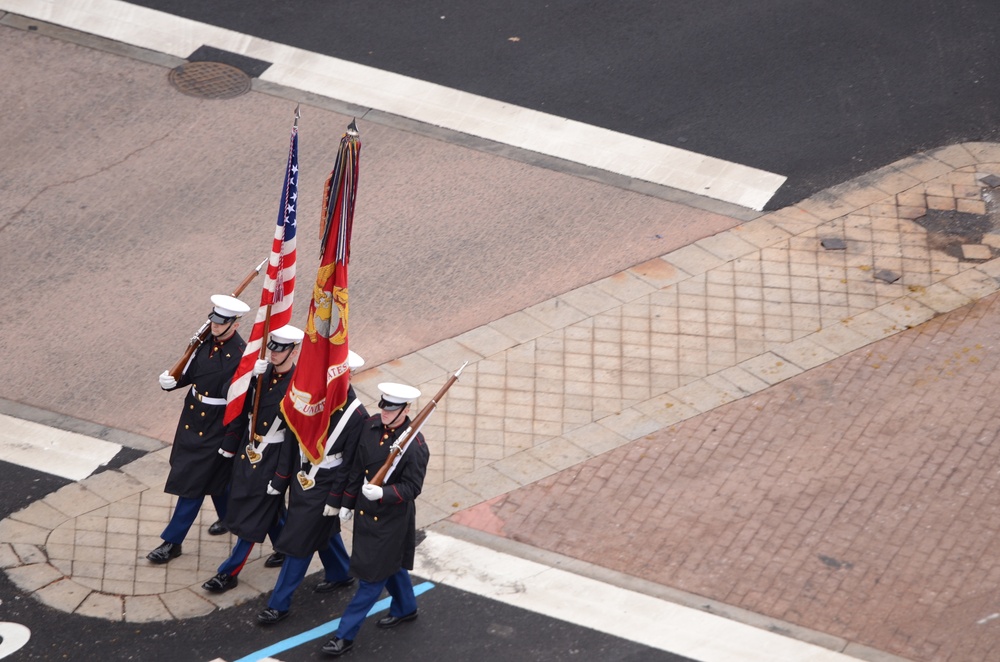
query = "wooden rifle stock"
x=202 y=334
x=414 y=428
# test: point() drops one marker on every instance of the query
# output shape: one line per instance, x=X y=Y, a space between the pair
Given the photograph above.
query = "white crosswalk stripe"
x=433 y=104
x=644 y=619
x=58 y=452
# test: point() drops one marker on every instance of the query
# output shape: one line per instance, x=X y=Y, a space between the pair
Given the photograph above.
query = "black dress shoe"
x=393 y=621
x=164 y=552
x=326 y=587
x=221 y=582
x=337 y=646
x=217 y=529
x=271 y=616
x=274 y=560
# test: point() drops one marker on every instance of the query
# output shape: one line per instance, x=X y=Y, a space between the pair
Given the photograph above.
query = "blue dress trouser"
x=185 y=513
x=404 y=602
x=241 y=550
x=335 y=565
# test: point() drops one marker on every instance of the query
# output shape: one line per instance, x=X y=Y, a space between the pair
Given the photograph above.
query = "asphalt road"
x=818 y=91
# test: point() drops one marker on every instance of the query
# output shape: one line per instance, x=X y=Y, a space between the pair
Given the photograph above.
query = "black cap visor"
x=216 y=318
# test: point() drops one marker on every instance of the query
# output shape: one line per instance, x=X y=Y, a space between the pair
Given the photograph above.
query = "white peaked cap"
x=398 y=393
x=354 y=360
x=287 y=335
x=228 y=306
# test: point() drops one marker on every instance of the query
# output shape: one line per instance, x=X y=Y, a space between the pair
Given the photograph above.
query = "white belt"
x=331 y=461
x=257 y=442
x=207 y=400
x=274 y=437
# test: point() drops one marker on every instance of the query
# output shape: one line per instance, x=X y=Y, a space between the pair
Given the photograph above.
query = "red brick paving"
x=858 y=499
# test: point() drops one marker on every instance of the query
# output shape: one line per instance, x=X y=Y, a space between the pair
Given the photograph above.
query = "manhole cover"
x=209 y=80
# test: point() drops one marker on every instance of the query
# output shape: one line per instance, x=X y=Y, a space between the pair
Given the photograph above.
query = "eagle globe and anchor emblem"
x=320 y=325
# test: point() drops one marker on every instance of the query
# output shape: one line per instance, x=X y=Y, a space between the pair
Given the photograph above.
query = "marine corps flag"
x=321 y=379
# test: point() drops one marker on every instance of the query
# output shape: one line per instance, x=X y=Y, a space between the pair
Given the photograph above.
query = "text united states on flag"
x=279 y=284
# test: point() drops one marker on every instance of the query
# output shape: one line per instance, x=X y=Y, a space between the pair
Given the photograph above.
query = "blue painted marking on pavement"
x=322 y=630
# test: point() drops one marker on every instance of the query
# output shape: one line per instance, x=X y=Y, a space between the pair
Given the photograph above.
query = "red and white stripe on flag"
x=279 y=285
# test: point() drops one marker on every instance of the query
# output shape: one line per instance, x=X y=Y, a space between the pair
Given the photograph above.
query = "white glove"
x=166 y=381
x=259 y=367
x=329 y=511
x=272 y=491
x=226 y=454
x=345 y=514
x=371 y=492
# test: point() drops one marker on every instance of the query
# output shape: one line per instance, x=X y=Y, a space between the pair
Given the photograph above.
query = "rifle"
x=202 y=334
x=414 y=428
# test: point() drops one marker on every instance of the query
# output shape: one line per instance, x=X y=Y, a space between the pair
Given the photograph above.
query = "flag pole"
x=260 y=377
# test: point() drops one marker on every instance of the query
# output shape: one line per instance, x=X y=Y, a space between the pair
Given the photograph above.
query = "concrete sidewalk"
x=788 y=421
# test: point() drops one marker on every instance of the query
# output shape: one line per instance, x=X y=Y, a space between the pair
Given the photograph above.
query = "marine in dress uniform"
x=315 y=496
x=197 y=469
x=256 y=493
x=384 y=518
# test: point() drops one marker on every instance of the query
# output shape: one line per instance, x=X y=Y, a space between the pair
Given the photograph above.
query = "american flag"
x=279 y=284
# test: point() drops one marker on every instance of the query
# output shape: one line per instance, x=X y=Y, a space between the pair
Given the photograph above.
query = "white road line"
x=425 y=102
x=583 y=601
x=66 y=454
x=13 y=637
